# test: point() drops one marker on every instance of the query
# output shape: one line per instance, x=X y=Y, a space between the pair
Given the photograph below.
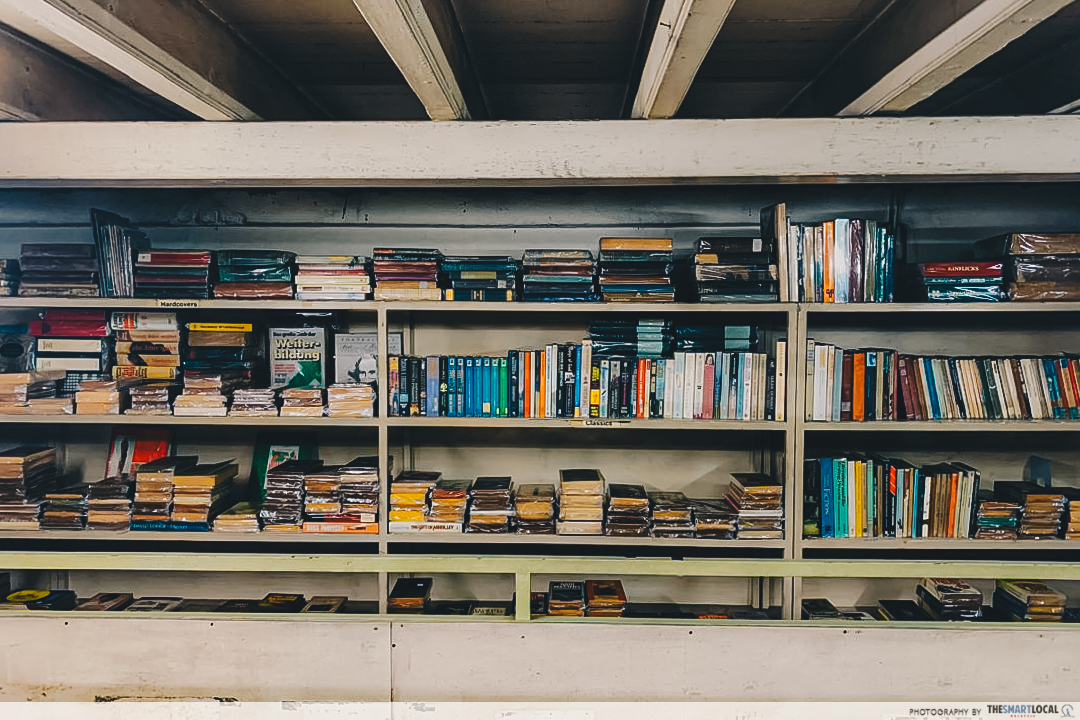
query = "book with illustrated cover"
x=297 y=357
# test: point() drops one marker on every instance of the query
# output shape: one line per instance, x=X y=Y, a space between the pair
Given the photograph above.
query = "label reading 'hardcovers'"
x=298 y=357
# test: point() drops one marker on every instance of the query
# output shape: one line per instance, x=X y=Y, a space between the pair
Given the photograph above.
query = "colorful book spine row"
x=872 y=496
x=841 y=261
x=566 y=381
x=872 y=384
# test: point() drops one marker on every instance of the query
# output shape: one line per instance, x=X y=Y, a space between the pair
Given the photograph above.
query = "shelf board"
x=581 y=540
x=135 y=536
x=597 y=423
x=165 y=304
x=940 y=307
x=980 y=544
x=944 y=425
x=587 y=307
x=181 y=420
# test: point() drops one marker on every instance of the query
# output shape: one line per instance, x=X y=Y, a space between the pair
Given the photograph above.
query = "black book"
x=281 y=603
x=404 y=386
x=566 y=593
x=444 y=385
x=770 y=391
x=734 y=245
x=449 y=607
x=560 y=381
x=55 y=600
x=954 y=380
x=538 y=603
x=903 y=610
x=423 y=379
x=514 y=370
x=410 y=592
x=818 y=609
x=491 y=484
x=237 y=606
x=414 y=386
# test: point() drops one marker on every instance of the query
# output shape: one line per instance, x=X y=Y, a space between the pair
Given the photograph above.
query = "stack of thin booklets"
x=254 y=274
x=997 y=518
x=351 y=400
x=152 y=508
x=735 y=269
x=410 y=595
x=19 y=391
x=322 y=494
x=759 y=501
x=534 y=509
x=1029 y=601
x=604 y=598
x=302 y=402
x=636 y=269
x=117 y=242
x=254 y=402
x=106 y=602
x=65 y=508
x=491 y=505
x=1043 y=507
x=480 y=278
x=672 y=515
x=231 y=351
x=973 y=281
x=642 y=338
x=108 y=504
x=172 y=274
x=627 y=511
x=1072 y=514
x=406 y=273
x=1037 y=266
x=59 y=270
x=581 y=502
x=201 y=492
x=449 y=499
x=242 y=517
x=717 y=519
x=27 y=473
x=409 y=498
x=566 y=598
x=103 y=397
x=332 y=277
x=360 y=488
x=949 y=599
x=74 y=341
x=283 y=506
x=152 y=397
x=558 y=276
x=10 y=275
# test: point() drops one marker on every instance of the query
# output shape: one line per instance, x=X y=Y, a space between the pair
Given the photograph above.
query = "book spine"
x=393 y=379
x=573 y=391
x=825 y=469
x=677 y=386
x=870 y=405
x=434 y=383
x=781 y=397
x=514 y=388
x=560 y=381
x=504 y=387
x=770 y=389
x=585 y=380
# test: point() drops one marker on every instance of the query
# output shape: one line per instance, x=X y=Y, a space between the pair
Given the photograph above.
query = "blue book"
x=456 y=404
x=433 y=386
x=460 y=390
x=485 y=388
x=740 y=379
x=931 y=385
x=1052 y=385
x=470 y=387
x=718 y=384
x=828 y=517
x=661 y=382
x=577 y=384
x=840 y=493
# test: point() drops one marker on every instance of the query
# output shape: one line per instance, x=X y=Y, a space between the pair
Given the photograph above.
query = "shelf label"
x=179 y=303
x=594 y=422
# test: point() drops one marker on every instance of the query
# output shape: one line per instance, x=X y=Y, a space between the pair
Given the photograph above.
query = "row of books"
x=40 y=599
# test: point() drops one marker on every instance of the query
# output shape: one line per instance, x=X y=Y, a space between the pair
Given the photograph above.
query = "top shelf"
x=940 y=307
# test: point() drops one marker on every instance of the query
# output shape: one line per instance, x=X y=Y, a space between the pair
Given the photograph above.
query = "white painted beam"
x=177 y=51
x=424 y=41
x=554 y=153
x=684 y=33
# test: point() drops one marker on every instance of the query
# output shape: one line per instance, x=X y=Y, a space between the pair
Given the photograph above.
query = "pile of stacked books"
x=636 y=269
x=322 y=494
x=735 y=269
x=302 y=402
x=409 y=497
x=254 y=402
x=997 y=518
x=1043 y=507
x=102 y=397
x=1029 y=601
x=758 y=499
x=604 y=598
x=534 y=509
x=332 y=277
x=230 y=349
x=283 y=507
x=449 y=499
x=65 y=508
x=200 y=493
x=481 y=278
x=151 y=341
x=27 y=473
x=581 y=502
x=152 y=508
x=948 y=599
x=359 y=480
x=558 y=276
x=715 y=519
x=627 y=511
x=108 y=504
x=1072 y=514
x=59 y=270
x=410 y=595
x=241 y=517
x=19 y=392
x=672 y=515
x=491 y=505
x=74 y=341
x=10 y=275
x=632 y=339
x=254 y=274
x=173 y=274
x=1037 y=266
x=205 y=394
x=566 y=598
x=406 y=273
x=961 y=281
x=352 y=400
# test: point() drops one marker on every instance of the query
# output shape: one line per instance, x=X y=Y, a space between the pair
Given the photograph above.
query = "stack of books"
x=604 y=598
x=74 y=341
x=353 y=400
x=1072 y=515
x=672 y=515
x=231 y=349
x=715 y=519
x=19 y=392
x=332 y=277
x=759 y=500
x=480 y=278
x=1029 y=601
x=160 y=355
x=360 y=489
x=491 y=505
x=322 y=494
x=1043 y=511
x=283 y=507
x=534 y=509
x=241 y=517
x=627 y=511
x=631 y=339
x=558 y=276
x=65 y=508
x=10 y=275
x=105 y=602
x=254 y=274
x=201 y=492
x=59 y=270
x=410 y=595
x=735 y=269
x=997 y=519
x=118 y=242
x=406 y=273
x=102 y=397
x=302 y=402
x=948 y=599
x=449 y=499
x=254 y=402
x=581 y=502
x=636 y=269
x=152 y=397
x=1037 y=266
x=172 y=274
x=108 y=504
x=205 y=395
x=409 y=498
x=153 y=504
x=27 y=473
x=566 y=598
x=961 y=281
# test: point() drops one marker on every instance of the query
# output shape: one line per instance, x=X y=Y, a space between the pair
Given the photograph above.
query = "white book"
x=821 y=369
x=725 y=384
x=605 y=378
x=830 y=385
x=677 y=386
x=780 y=412
x=68 y=345
x=748 y=384
x=760 y=382
x=699 y=384
x=688 y=387
x=669 y=387
x=74 y=364
x=811 y=378
x=1034 y=394
x=552 y=379
x=842 y=260
x=837 y=367
x=585 y=379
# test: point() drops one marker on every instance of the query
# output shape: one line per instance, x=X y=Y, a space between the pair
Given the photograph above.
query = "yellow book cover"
x=220 y=327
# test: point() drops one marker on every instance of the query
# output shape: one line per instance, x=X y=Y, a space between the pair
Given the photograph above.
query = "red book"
x=709 y=387
x=858 y=388
x=959 y=269
x=47 y=328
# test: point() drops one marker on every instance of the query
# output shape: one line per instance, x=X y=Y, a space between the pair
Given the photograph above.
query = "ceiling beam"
x=913 y=50
x=684 y=33
x=37 y=83
x=424 y=40
x=174 y=50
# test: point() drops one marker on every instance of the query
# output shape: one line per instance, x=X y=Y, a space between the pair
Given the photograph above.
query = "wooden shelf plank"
x=982 y=545
x=945 y=426
x=180 y=420
x=940 y=307
x=591 y=423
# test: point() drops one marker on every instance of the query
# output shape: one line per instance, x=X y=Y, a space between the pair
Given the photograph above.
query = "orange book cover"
x=542 y=410
x=827 y=275
x=631 y=243
x=950 y=525
x=642 y=379
x=526 y=383
x=858 y=387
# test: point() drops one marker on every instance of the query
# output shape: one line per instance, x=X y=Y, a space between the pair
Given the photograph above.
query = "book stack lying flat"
x=449 y=499
x=105 y=602
x=410 y=595
x=59 y=270
x=302 y=402
x=332 y=277
x=406 y=273
x=1037 y=266
x=154 y=604
x=491 y=505
x=204 y=395
x=627 y=511
x=581 y=502
x=172 y=273
x=735 y=269
x=200 y=493
x=480 y=278
x=716 y=519
x=108 y=503
x=672 y=515
x=65 y=508
x=643 y=338
x=636 y=269
x=360 y=488
x=997 y=518
x=254 y=402
x=759 y=501
x=74 y=341
x=160 y=355
x=27 y=473
x=229 y=350
x=566 y=598
x=331 y=502
x=52 y=600
x=534 y=509
x=409 y=498
x=1072 y=514
x=322 y=493
x=1043 y=507
x=961 y=281
x=103 y=397
x=153 y=505
x=152 y=397
x=254 y=274
x=283 y=508
x=241 y=517
x=1029 y=601
x=18 y=391
x=354 y=400
x=604 y=598
x=948 y=599
x=10 y=275
x=558 y=276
